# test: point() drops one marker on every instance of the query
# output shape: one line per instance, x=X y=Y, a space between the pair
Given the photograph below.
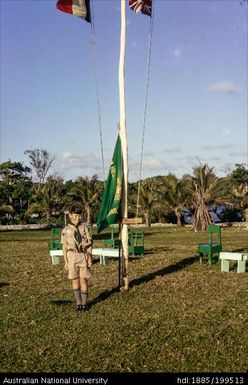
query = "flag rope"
x=145 y=104
x=94 y=66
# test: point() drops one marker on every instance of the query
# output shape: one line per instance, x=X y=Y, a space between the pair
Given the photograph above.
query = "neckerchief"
x=77 y=236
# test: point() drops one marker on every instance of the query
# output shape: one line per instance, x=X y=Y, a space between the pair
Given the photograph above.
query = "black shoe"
x=85 y=307
x=79 y=308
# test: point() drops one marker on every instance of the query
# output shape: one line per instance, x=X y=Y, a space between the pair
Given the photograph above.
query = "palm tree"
x=49 y=199
x=86 y=190
x=207 y=190
x=175 y=194
x=149 y=198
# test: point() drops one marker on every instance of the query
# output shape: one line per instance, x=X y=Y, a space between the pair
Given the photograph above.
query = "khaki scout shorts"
x=77 y=265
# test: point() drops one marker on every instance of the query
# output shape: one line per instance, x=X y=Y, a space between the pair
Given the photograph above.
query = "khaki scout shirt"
x=68 y=237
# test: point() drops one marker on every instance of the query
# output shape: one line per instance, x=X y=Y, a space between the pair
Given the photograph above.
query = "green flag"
x=111 y=199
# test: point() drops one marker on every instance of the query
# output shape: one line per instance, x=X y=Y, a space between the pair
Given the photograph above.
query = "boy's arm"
x=89 y=240
x=89 y=247
x=64 y=248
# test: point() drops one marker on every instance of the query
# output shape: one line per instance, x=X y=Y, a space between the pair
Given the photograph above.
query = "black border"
x=125 y=378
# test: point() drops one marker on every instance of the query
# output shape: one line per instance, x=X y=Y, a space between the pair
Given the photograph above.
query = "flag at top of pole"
x=80 y=8
x=145 y=6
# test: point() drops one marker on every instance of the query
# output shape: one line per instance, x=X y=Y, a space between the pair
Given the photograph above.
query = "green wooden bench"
x=226 y=257
x=55 y=246
x=135 y=241
x=214 y=245
x=55 y=242
x=113 y=241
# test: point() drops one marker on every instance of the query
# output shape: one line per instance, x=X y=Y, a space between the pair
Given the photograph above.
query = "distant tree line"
x=27 y=198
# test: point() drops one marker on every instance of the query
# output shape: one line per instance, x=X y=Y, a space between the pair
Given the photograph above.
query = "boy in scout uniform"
x=77 y=250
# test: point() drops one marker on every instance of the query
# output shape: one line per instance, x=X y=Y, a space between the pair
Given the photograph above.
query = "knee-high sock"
x=84 y=295
x=77 y=296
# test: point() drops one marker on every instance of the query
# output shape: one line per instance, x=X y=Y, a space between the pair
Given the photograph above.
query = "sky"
x=197 y=95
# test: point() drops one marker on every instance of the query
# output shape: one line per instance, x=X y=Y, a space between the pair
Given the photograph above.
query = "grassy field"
x=178 y=315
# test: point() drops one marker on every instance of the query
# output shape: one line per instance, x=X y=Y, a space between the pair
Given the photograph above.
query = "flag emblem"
x=145 y=6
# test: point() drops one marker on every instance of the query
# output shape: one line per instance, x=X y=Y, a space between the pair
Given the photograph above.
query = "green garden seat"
x=214 y=245
x=111 y=242
x=135 y=242
x=55 y=242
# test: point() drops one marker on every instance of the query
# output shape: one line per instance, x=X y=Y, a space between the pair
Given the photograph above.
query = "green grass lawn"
x=178 y=316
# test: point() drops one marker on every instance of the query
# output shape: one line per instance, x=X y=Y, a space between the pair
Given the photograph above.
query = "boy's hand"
x=86 y=245
x=66 y=266
x=90 y=260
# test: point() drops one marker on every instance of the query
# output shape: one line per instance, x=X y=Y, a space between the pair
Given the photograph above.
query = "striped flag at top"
x=80 y=8
x=145 y=6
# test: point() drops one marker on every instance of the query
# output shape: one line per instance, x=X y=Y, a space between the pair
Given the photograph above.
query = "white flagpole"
x=123 y=137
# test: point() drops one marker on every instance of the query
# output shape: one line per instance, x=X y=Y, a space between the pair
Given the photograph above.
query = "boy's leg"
x=76 y=292
x=84 y=292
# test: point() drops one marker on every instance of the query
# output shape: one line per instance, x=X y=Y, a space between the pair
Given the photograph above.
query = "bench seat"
x=226 y=257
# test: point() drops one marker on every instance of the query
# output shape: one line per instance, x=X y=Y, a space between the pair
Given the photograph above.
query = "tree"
x=207 y=190
x=49 y=200
x=149 y=198
x=175 y=194
x=239 y=185
x=41 y=162
x=86 y=190
x=15 y=190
